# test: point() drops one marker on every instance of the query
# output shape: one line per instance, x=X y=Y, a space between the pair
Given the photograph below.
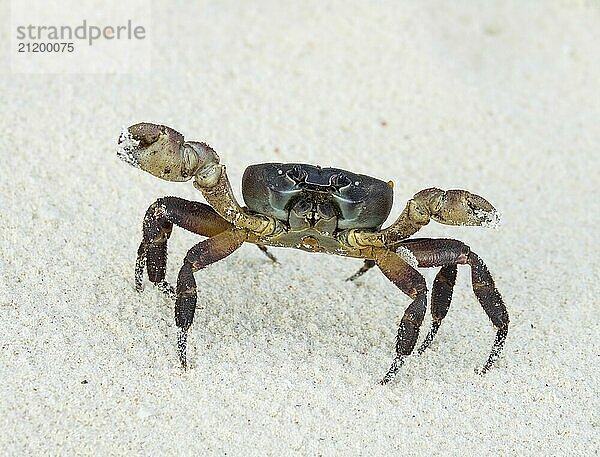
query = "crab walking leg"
x=443 y=285
x=451 y=207
x=439 y=252
x=409 y=281
x=268 y=253
x=449 y=253
x=492 y=303
x=441 y=296
x=157 y=227
x=200 y=256
x=366 y=267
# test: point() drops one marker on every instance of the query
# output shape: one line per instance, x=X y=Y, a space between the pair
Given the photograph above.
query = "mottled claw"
x=454 y=207
x=163 y=152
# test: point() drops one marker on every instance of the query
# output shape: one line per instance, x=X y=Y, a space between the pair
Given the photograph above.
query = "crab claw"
x=458 y=207
x=163 y=152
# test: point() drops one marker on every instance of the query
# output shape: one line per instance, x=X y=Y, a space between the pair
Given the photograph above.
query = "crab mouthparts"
x=127 y=147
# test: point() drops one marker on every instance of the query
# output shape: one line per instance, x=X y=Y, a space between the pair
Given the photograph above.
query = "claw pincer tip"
x=126 y=148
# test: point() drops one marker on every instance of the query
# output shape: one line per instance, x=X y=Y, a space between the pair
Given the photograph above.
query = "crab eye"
x=340 y=181
x=297 y=174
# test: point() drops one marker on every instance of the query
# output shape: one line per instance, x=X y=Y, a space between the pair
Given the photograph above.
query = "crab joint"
x=359 y=239
x=208 y=175
x=260 y=225
x=162 y=152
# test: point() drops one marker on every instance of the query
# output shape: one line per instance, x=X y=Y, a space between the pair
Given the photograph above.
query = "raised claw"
x=163 y=152
x=455 y=207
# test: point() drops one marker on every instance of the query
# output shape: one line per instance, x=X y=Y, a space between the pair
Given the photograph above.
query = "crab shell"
x=281 y=190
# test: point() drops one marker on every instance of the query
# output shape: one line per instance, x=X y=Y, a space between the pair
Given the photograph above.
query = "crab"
x=315 y=209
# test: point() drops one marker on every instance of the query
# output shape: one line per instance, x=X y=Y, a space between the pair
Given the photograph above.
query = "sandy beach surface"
x=501 y=98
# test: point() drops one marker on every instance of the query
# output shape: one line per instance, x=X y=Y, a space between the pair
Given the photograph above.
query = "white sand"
x=502 y=100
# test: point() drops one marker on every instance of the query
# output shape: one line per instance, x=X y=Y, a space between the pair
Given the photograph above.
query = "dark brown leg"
x=200 y=256
x=266 y=252
x=158 y=224
x=441 y=295
x=366 y=267
x=449 y=253
x=491 y=301
x=409 y=281
x=442 y=252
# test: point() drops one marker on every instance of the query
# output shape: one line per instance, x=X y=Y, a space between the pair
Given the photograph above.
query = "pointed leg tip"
x=138 y=282
x=424 y=346
x=426 y=343
x=387 y=379
x=489 y=364
x=268 y=254
x=183 y=362
x=483 y=370
x=393 y=371
x=429 y=338
x=182 y=348
x=355 y=276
